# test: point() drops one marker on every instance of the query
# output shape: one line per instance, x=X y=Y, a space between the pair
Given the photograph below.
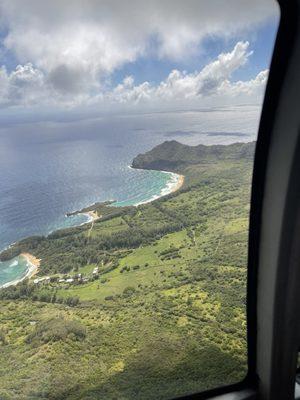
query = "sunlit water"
x=49 y=169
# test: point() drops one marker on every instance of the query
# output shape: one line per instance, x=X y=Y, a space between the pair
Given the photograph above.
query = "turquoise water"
x=153 y=185
x=50 y=169
x=13 y=270
x=46 y=174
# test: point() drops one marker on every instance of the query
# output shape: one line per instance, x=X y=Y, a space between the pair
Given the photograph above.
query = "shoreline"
x=33 y=268
x=93 y=216
x=179 y=184
x=166 y=190
x=34 y=263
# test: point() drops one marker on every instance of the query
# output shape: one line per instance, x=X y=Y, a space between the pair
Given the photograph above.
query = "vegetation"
x=103 y=209
x=146 y=303
x=174 y=156
x=56 y=329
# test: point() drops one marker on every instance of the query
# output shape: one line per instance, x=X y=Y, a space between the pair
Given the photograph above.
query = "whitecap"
x=13 y=264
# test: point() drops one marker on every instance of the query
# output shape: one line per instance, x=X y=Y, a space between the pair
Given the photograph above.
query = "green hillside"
x=175 y=156
x=147 y=302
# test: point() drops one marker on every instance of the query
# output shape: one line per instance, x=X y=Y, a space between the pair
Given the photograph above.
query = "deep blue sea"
x=50 y=168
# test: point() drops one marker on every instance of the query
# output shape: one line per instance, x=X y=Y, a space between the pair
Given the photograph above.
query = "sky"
x=103 y=56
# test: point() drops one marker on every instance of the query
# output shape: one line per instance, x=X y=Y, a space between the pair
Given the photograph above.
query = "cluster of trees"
x=63 y=254
x=170 y=254
x=70 y=249
x=124 y=269
x=193 y=334
x=27 y=290
x=56 y=329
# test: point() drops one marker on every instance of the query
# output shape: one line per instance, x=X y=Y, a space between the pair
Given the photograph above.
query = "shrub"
x=72 y=301
x=2 y=337
x=128 y=291
x=56 y=329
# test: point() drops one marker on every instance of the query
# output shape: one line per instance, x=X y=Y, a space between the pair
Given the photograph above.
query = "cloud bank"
x=28 y=85
x=68 y=51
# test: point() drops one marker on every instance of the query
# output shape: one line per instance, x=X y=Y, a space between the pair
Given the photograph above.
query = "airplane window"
x=127 y=141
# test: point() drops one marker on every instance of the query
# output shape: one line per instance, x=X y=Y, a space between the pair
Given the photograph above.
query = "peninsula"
x=142 y=292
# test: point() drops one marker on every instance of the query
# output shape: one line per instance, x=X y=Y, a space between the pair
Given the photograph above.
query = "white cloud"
x=68 y=50
x=27 y=85
x=213 y=81
x=78 y=44
x=23 y=85
x=215 y=73
x=252 y=87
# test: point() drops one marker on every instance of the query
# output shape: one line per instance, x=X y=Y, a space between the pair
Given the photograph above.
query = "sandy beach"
x=34 y=264
x=33 y=267
x=179 y=184
x=93 y=215
x=170 y=188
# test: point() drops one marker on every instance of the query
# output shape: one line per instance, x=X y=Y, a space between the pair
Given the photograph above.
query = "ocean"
x=50 y=168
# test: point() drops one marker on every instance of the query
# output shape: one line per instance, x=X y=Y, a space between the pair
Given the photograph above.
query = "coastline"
x=179 y=184
x=34 y=263
x=33 y=268
x=93 y=216
x=171 y=187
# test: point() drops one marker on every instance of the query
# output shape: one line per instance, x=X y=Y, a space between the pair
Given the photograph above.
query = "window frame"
x=286 y=40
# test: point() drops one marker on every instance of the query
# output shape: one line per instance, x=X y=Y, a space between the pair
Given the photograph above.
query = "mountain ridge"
x=172 y=155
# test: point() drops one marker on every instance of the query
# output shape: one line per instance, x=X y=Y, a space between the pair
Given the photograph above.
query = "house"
x=95 y=271
x=45 y=279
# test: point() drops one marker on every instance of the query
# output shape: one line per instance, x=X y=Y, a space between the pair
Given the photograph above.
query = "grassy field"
x=163 y=316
